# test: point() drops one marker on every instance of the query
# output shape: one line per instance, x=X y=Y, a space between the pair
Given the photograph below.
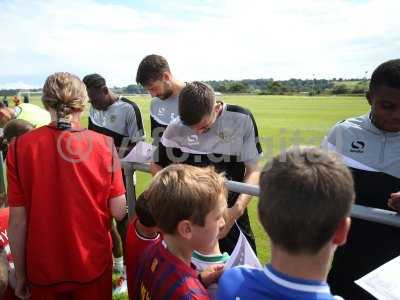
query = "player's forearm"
x=251 y=177
x=17 y=238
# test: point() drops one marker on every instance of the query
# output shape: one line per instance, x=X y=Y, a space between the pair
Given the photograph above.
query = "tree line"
x=276 y=87
x=260 y=86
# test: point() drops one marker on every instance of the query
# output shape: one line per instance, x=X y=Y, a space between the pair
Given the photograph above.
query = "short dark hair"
x=151 y=68
x=143 y=213
x=387 y=74
x=304 y=194
x=15 y=128
x=94 y=81
x=196 y=100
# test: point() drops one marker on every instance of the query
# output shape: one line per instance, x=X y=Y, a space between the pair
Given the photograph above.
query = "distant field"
x=282 y=121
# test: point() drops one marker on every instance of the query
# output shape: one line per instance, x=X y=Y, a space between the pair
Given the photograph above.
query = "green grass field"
x=282 y=121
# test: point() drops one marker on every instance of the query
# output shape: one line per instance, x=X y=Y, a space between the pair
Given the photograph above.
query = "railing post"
x=130 y=183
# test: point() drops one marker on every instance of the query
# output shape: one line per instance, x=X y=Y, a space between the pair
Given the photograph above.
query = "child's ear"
x=341 y=232
x=184 y=229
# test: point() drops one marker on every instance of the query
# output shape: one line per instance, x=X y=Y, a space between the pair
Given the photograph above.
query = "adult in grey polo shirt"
x=370 y=146
x=155 y=76
x=210 y=133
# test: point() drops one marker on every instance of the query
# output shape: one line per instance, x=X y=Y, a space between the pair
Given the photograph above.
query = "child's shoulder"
x=241 y=273
x=236 y=281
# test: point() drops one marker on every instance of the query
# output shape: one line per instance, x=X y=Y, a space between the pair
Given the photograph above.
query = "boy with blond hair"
x=188 y=205
x=305 y=223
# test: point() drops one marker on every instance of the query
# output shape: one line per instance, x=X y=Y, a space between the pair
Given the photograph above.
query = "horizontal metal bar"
x=376 y=215
x=358 y=211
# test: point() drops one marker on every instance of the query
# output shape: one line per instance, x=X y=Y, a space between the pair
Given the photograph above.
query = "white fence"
x=358 y=211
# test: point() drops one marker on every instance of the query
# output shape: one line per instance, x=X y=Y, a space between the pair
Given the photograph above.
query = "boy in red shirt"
x=142 y=232
x=188 y=204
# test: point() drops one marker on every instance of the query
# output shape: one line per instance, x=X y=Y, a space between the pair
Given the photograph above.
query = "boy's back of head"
x=182 y=192
x=142 y=212
x=196 y=100
x=304 y=194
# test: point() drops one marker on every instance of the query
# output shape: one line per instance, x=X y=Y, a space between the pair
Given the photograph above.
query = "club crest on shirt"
x=113 y=118
x=225 y=136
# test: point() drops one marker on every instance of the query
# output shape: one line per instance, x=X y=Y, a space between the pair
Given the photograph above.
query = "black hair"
x=94 y=81
x=143 y=213
x=387 y=74
x=151 y=68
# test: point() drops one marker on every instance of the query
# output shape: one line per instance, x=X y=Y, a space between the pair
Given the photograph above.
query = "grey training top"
x=365 y=147
x=233 y=134
x=121 y=120
x=162 y=112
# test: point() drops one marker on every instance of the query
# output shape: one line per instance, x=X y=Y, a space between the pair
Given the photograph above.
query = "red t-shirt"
x=64 y=180
x=162 y=275
x=135 y=246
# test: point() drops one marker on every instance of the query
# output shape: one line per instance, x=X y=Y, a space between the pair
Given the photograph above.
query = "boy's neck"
x=177 y=247
x=211 y=251
x=305 y=266
x=146 y=232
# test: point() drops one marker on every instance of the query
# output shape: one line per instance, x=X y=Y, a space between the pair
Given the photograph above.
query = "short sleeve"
x=251 y=148
x=160 y=156
x=14 y=190
x=334 y=139
x=134 y=123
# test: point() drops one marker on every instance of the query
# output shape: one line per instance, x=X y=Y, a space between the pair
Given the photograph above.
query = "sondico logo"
x=193 y=140
x=357 y=147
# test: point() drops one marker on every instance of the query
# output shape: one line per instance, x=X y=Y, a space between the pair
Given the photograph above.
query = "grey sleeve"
x=251 y=148
x=134 y=124
x=334 y=139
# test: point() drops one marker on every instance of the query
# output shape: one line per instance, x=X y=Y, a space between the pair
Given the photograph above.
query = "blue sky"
x=202 y=40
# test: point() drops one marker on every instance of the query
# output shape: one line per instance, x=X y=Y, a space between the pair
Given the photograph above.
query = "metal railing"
x=358 y=211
